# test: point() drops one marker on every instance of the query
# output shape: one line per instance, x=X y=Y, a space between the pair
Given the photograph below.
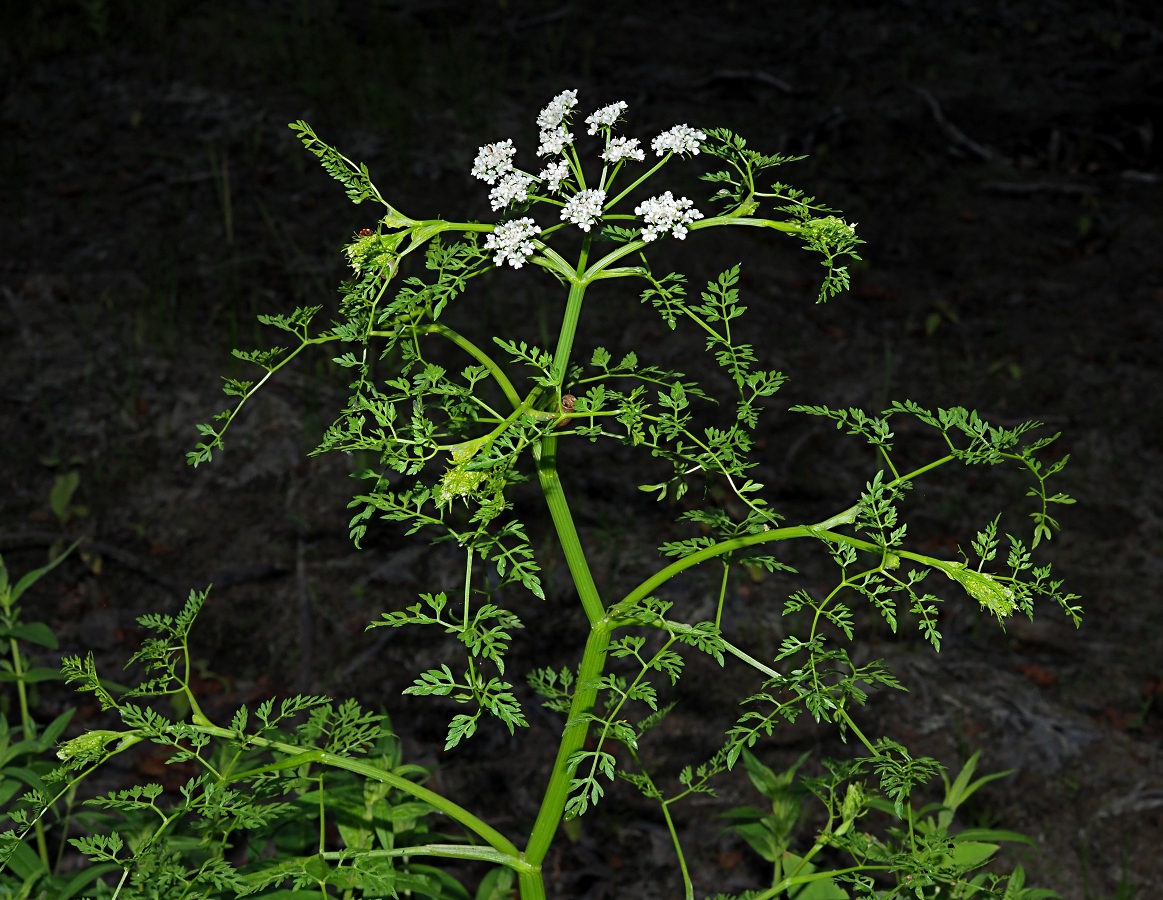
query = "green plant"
x=452 y=448
x=26 y=750
x=939 y=851
x=262 y=788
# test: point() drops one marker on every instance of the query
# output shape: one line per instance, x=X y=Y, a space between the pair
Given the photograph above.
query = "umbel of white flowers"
x=514 y=242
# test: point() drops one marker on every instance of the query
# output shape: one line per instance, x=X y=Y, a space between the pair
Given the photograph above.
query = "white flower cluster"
x=493 y=161
x=621 y=148
x=584 y=208
x=554 y=114
x=512 y=242
x=512 y=186
x=554 y=135
x=680 y=139
x=606 y=116
x=663 y=213
x=554 y=174
x=554 y=141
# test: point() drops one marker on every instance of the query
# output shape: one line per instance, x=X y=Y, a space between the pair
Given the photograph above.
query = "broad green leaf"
x=447 y=887
x=973 y=853
x=62 y=493
x=994 y=834
x=35 y=575
x=25 y=863
x=84 y=878
x=496 y=885
x=34 y=675
x=34 y=633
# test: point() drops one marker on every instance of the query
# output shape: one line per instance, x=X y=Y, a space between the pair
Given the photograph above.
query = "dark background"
x=1003 y=162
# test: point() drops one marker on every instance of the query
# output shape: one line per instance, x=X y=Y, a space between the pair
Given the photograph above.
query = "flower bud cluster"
x=554 y=175
x=554 y=135
x=584 y=208
x=557 y=110
x=679 y=139
x=512 y=242
x=663 y=213
x=493 y=161
x=621 y=148
x=554 y=141
x=605 y=117
x=512 y=187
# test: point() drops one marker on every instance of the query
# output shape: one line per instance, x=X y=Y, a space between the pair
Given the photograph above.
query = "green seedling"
x=60 y=498
x=26 y=750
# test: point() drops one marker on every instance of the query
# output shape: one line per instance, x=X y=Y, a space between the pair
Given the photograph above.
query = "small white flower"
x=606 y=116
x=553 y=141
x=493 y=161
x=512 y=242
x=680 y=139
x=663 y=213
x=512 y=186
x=584 y=208
x=557 y=110
x=554 y=174
x=621 y=148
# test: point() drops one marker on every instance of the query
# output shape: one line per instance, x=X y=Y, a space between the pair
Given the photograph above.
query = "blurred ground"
x=1001 y=159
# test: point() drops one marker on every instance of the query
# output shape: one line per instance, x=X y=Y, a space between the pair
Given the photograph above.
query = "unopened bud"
x=993 y=595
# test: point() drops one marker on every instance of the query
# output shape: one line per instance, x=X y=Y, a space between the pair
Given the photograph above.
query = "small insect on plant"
x=451 y=448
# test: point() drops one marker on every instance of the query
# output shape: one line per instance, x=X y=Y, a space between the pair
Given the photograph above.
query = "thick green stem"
x=479 y=355
x=531 y=885
x=634 y=246
x=445 y=851
x=662 y=576
x=821 y=531
x=298 y=756
x=567 y=535
x=26 y=721
x=572 y=740
x=573 y=307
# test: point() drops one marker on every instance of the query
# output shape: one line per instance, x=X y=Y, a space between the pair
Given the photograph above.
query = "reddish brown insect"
x=364 y=232
x=567 y=402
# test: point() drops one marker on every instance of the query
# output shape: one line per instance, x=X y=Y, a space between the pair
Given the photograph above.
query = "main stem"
x=572 y=740
x=573 y=306
x=594 y=658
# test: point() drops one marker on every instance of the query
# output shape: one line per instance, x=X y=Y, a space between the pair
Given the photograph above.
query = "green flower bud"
x=87 y=746
x=853 y=803
x=458 y=482
x=991 y=594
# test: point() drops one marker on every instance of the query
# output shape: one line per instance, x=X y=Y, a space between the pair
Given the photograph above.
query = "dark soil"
x=1002 y=162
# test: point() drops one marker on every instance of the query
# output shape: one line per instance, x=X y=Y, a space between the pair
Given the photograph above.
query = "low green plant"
x=26 y=749
x=452 y=449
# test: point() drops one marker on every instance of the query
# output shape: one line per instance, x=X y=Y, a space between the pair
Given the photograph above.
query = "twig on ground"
x=956 y=136
x=1029 y=188
x=220 y=580
x=746 y=75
